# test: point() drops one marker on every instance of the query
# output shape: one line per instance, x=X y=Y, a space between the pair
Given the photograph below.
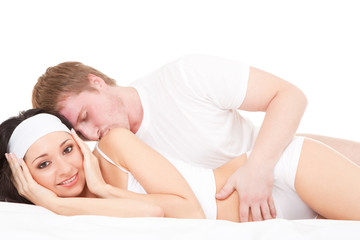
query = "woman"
x=311 y=180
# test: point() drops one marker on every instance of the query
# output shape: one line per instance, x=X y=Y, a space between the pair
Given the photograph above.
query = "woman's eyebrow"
x=42 y=155
x=45 y=154
x=63 y=143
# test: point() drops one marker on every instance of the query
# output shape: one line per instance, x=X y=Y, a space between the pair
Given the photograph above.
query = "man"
x=188 y=110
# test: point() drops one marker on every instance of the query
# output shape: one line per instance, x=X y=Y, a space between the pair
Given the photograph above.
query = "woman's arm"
x=115 y=207
x=30 y=189
x=165 y=186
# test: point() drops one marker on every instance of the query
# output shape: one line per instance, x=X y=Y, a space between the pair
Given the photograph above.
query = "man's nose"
x=90 y=133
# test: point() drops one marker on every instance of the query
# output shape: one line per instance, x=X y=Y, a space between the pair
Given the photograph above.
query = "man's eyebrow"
x=45 y=154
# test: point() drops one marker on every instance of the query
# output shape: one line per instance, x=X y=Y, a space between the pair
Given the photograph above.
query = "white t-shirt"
x=190 y=110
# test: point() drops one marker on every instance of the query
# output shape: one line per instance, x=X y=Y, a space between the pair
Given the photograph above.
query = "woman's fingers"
x=21 y=173
x=83 y=146
x=94 y=178
x=26 y=172
x=25 y=183
x=10 y=161
x=19 y=180
x=14 y=164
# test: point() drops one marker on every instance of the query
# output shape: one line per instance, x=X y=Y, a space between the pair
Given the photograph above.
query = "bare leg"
x=349 y=149
x=326 y=181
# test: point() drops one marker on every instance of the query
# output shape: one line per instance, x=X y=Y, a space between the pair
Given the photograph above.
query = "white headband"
x=31 y=129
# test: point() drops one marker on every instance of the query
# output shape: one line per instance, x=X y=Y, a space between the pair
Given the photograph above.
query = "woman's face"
x=56 y=162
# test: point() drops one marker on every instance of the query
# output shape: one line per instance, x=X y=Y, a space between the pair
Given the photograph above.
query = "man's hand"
x=254 y=187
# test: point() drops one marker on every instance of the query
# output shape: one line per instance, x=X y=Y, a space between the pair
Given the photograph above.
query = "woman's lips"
x=70 y=182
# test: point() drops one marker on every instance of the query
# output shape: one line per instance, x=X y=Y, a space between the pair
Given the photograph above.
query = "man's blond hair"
x=62 y=80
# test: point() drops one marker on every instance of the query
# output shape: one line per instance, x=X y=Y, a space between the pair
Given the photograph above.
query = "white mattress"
x=19 y=221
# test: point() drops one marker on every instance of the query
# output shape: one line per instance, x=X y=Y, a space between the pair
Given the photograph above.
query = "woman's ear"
x=96 y=82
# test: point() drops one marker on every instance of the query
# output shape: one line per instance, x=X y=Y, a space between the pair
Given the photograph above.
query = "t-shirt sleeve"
x=221 y=81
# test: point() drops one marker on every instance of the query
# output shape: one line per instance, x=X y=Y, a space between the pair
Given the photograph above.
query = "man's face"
x=94 y=113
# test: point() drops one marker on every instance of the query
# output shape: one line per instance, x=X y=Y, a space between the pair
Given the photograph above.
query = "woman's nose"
x=63 y=166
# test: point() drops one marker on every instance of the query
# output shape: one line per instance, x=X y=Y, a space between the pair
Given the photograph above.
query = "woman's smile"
x=58 y=164
x=70 y=182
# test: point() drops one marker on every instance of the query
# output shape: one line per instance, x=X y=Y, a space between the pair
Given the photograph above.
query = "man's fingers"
x=272 y=207
x=265 y=211
x=225 y=191
x=256 y=212
x=244 y=212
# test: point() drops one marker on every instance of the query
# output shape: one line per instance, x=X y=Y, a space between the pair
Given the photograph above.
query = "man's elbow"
x=298 y=96
x=302 y=98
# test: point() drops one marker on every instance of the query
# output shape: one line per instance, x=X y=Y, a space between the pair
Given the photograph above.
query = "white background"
x=313 y=44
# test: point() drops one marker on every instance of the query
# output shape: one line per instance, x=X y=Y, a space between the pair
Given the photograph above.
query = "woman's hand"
x=26 y=185
x=94 y=178
x=254 y=187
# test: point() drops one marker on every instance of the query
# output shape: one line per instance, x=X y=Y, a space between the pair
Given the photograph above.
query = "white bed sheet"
x=20 y=221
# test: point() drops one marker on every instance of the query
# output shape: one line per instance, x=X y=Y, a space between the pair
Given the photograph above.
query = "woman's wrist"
x=109 y=191
x=52 y=202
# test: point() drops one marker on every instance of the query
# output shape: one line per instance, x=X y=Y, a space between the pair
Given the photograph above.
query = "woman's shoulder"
x=115 y=143
x=116 y=136
x=116 y=133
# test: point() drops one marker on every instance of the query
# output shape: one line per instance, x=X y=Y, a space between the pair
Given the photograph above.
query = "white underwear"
x=287 y=202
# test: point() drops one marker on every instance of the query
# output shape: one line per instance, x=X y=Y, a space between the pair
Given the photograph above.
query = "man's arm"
x=284 y=105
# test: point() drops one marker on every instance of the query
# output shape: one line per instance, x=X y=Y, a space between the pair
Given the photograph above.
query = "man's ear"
x=95 y=81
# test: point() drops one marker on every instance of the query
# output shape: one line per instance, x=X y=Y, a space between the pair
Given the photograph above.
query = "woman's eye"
x=68 y=149
x=44 y=164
